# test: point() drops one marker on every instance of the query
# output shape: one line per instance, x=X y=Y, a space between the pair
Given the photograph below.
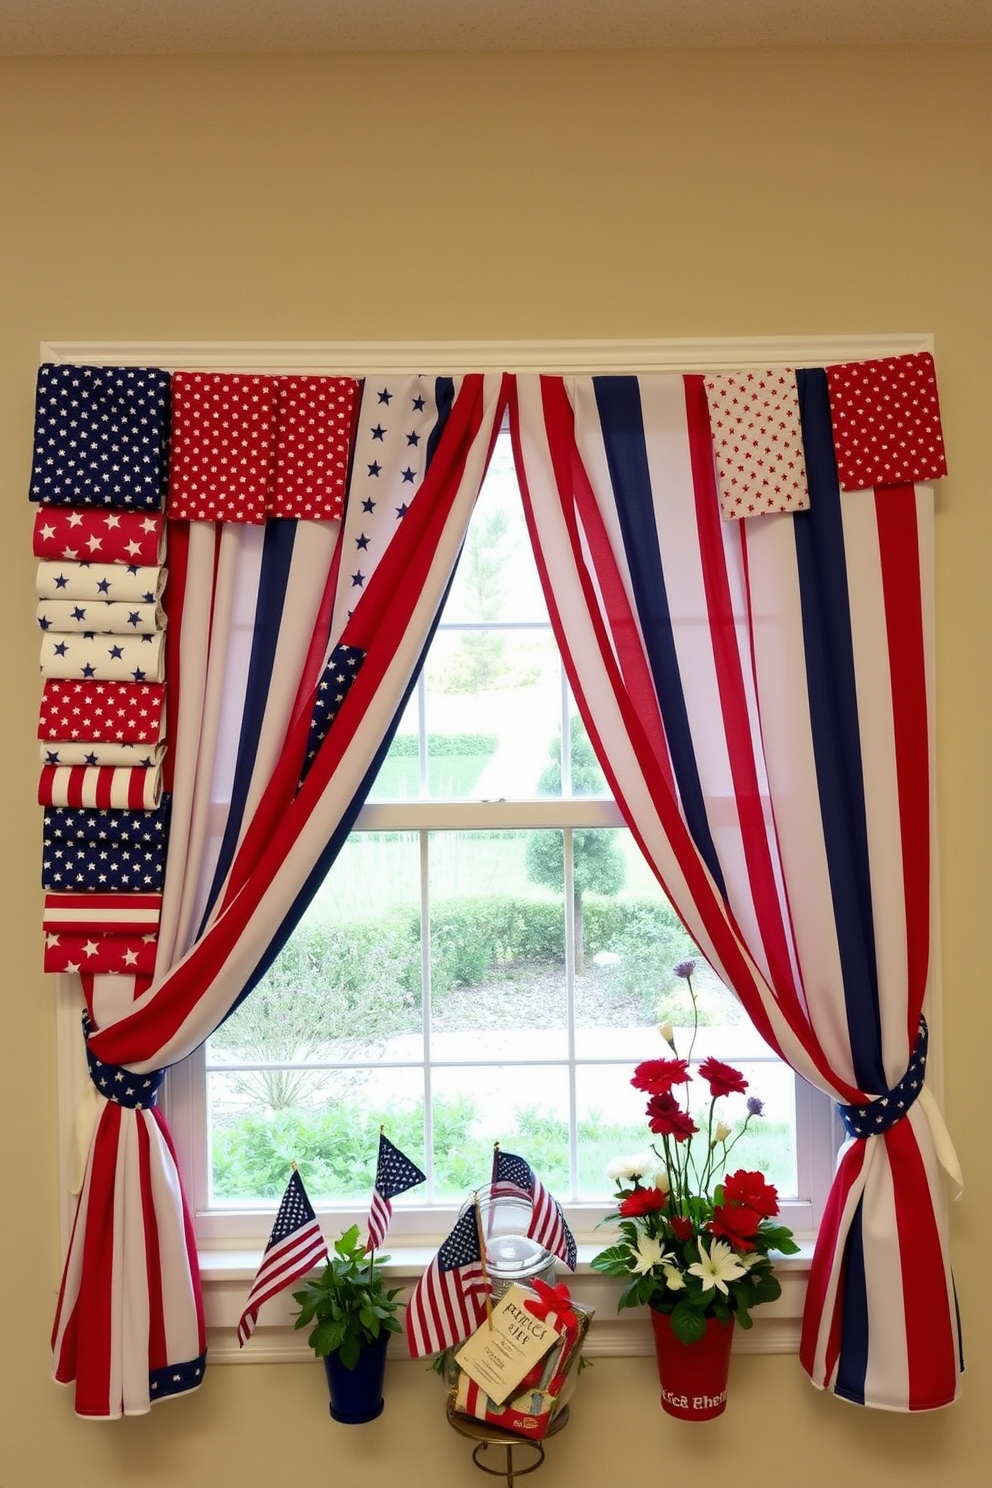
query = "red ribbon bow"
x=556 y=1303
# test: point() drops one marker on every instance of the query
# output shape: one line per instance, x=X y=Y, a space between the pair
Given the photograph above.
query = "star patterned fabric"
x=93 y=752
x=131 y=583
x=886 y=421
x=100 y=436
x=757 y=442
x=104 y=712
x=247 y=447
x=97 y=536
x=100 y=617
x=114 y=658
x=99 y=953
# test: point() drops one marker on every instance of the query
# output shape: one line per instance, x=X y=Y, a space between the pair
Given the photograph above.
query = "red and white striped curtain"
x=759 y=695
x=292 y=646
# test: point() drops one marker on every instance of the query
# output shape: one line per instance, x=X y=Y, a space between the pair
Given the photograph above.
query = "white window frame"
x=229 y=1248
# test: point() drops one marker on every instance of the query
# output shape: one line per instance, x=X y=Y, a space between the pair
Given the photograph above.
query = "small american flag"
x=395 y=1173
x=513 y=1175
x=449 y=1301
x=295 y=1246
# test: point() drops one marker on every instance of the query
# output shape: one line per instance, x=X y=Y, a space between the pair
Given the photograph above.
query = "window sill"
x=227 y=1276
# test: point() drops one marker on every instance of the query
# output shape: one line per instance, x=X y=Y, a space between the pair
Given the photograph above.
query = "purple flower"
x=685 y=969
x=755 y=1107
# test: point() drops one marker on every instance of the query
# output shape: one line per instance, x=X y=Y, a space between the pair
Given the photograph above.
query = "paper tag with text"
x=497 y=1358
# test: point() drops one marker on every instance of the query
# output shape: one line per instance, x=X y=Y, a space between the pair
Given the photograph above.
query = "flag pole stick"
x=482 y=1259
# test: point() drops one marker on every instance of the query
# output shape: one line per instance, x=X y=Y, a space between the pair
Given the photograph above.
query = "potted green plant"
x=351 y=1314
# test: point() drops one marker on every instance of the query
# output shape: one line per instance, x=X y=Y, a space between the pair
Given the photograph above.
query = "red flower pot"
x=693 y=1375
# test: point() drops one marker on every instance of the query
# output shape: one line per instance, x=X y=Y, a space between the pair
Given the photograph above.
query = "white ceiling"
x=52 y=28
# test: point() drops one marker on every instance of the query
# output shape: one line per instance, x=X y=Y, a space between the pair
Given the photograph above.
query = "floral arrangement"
x=689 y=1245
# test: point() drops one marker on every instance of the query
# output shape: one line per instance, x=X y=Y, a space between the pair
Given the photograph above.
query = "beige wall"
x=507 y=197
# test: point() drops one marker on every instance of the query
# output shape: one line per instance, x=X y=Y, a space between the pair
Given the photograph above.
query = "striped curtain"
x=759 y=696
x=289 y=663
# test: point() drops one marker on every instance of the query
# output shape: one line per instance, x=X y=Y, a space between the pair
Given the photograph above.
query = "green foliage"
x=447 y=746
x=348 y=1303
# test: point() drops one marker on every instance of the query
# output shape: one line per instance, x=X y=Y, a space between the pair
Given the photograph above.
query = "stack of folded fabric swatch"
x=100 y=474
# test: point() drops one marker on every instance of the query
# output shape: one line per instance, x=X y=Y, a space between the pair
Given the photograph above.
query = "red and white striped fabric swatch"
x=757 y=441
x=886 y=421
x=131 y=914
x=119 y=712
x=124 y=790
x=247 y=447
x=87 y=536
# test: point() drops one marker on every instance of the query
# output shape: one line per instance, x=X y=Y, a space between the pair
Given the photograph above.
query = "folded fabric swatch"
x=757 y=441
x=130 y=583
x=67 y=824
x=122 y=712
x=79 y=785
x=93 y=752
x=246 y=447
x=135 y=914
x=886 y=421
x=100 y=616
x=100 y=953
x=100 y=436
x=103 y=658
x=87 y=535
x=92 y=865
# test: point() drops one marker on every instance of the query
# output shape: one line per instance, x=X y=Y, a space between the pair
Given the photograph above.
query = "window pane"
x=524 y=1109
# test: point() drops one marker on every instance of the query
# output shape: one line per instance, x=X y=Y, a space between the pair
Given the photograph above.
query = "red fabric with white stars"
x=886 y=421
x=314 y=421
x=245 y=448
x=100 y=953
x=757 y=442
x=108 y=712
x=88 y=536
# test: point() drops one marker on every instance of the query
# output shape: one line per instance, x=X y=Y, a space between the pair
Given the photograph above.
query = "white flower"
x=721 y=1132
x=716 y=1267
x=674 y=1280
x=668 y=1034
x=662 y=1180
x=648 y=1254
x=632 y=1167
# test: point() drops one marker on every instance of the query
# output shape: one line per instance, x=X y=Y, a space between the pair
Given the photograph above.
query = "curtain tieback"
x=872 y=1118
x=115 y=1083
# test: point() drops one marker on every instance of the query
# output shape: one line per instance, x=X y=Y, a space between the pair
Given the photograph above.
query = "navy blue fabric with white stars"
x=107 y=851
x=332 y=689
x=872 y=1118
x=101 y=436
x=122 y=1086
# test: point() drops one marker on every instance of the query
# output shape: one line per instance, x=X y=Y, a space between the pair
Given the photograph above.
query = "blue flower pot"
x=356 y=1394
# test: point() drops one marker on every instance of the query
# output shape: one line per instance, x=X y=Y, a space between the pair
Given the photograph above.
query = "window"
x=485 y=962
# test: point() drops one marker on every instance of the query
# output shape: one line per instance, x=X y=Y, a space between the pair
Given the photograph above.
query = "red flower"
x=643 y=1201
x=667 y=1118
x=723 y=1078
x=751 y=1192
x=736 y=1223
x=657 y=1076
x=681 y=1227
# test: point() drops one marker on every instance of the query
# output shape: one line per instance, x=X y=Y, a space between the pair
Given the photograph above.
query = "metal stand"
x=486 y=1437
